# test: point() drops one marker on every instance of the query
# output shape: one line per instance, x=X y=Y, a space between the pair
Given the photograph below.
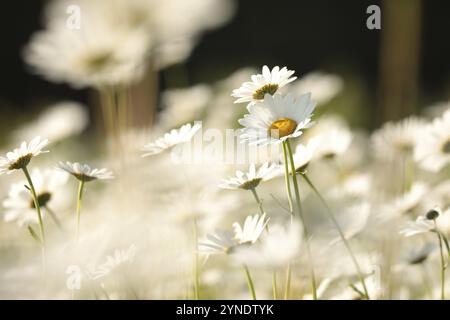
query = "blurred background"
x=388 y=73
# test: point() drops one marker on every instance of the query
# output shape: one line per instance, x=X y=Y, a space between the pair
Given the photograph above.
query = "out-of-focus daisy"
x=410 y=200
x=419 y=255
x=421 y=225
x=304 y=154
x=398 y=138
x=250 y=232
x=323 y=86
x=19 y=206
x=119 y=259
x=251 y=179
x=58 y=122
x=222 y=242
x=333 y=135
x=84 y=173
x=433 y=149
x=276 y=249
x=95 y=55
x=276 y=119
x=171 y=139
x=20 y=157
x=266 y=83
x=225 y=242
x=184 y=105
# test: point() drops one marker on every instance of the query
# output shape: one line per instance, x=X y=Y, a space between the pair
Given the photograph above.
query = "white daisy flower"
x=398 y=138
x=250 y=232
x=421 y=225
x=251 y=179
x=304 y=154
x=225 y=242
x=333 y=135
x=433 y=149
x=95 y=55
x=57 y=122
x=323 y=86
x=84 y=173
x=120 y=258
x=418 y=255
x=171 y=139
x=19 y=205
x=279 y=247
x=222 y=242
x=20 y=157
x=269 y=82
x=276 y=119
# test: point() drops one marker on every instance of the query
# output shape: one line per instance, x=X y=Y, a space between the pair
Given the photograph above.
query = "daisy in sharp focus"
x=276 y=119
x=269 y=82
x=19 y=205
x=84 y=173
x=20 y=157
x=171 y=139
x=251 y=179
x=433 y=149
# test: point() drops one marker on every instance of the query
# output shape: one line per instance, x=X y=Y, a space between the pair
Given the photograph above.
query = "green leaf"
x=34 y=234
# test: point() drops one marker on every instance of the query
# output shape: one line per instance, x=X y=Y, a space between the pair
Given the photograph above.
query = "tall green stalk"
x=300 y=212
x=250 y=285
x=36 y=205
x=341 y=234
x=79 y=200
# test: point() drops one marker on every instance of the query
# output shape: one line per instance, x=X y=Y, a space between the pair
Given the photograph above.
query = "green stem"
x=36 y=205
x=300 y=212
x=251 y=287
x=258 y=200
x=287 y=287
x=79 y=198
x=196 y=264
x=441 y=251
x=341 y=234
x=274 y=286
x=286 y=179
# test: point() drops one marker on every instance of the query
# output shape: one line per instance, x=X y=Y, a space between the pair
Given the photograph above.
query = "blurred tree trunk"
x=399 y=58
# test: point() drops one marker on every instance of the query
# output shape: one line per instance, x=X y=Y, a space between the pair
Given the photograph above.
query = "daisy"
x=19 y=205
x=398 y=138
x=323 y=86
x=252 y=229
x=276 y=119
x=421 y=225
x=84 y=173
x=433 y=149
x=96 y=55
x=304 y=154
x=20 y=158
x=269 y=82
x=222 y=242
x=333 y=135
x=225 y=242
x=172 y=138
x=276 y=249
x=251 y=179
x=57 y=122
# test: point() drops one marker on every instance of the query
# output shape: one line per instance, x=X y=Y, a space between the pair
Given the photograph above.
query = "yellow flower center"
x=270 y=88
x=282 y=128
